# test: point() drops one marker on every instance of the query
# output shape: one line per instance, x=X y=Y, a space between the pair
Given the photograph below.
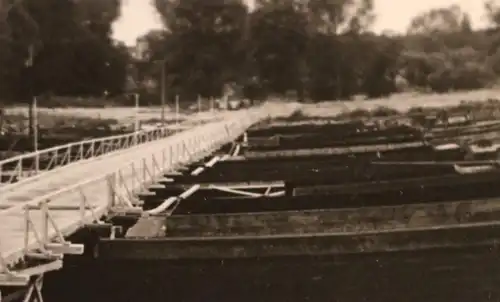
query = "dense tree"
x=311 y=49
x=278 y=46
x=322 y=49
x=60 y=47
x=203 y=46
x=443 y=53
x=283 y=46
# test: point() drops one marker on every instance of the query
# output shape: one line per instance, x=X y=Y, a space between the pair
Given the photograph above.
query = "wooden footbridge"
x=50 y=194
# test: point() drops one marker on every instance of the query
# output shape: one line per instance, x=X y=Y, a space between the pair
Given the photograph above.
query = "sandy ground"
x=400 y=102
x=124 y=115
x=119 y=113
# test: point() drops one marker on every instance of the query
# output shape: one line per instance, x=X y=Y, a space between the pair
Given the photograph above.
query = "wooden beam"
x=379 y=186
x=13 y=279
x=165 y=179
x=244 y=185
x=156 y=186
x=47 y=256
x=65 y=248
x=173 y=174
x=236 y=192
x=126 y=211
x=273 y=141
x=146 y=193
x=22 y=277
x=437 y=163
x=42 y=268
x=231 y=185
x=334 y=151
x=263 y=246
x=98 y=226
x=209 y=164
x=171 y=201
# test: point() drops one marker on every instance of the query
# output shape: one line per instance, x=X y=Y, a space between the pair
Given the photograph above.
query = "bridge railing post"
x=144 y=168
x=91 y=150
x=30 y=228
x=155 y=167
x=178 y=153
x=163 y=158
x=112 y=181
x=133 y=178
x=19 y=169
x=80 y=155
x=45 y=222
x=171 y=156
x=186 y=148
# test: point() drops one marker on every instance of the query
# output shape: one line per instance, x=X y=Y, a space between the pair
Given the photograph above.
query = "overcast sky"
x=138 y=16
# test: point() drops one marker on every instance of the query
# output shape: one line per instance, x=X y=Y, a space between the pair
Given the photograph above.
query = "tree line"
x=307 y=49
x=59 y=47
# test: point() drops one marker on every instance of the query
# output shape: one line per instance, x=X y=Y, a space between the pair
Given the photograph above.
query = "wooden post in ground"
x=34 y=114
x=136 y=119
x=177 y=110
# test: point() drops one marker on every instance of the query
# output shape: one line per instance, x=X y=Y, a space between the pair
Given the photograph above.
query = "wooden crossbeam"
x=97 y=226
x=22 y=277
x=14 y=279
x=156 y=186
x=209 y=164
x=65 y=248
x=42 y=269
x=245 y=185
x=146 y=193
x=172 y=200
x=272 y=141
x=165 y=179
x=231 y=185
x=236 y=192
x=173 y=174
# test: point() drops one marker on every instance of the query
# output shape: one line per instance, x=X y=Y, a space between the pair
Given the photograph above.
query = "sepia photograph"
x=249 y=150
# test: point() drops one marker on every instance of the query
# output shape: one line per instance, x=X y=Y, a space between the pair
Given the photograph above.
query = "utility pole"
x=177 y=110
x=28 y=72
x=163 y=88
x=136 y=118
x=339 y=60
x=34 y=115
x=163 y=91
x=31 y=95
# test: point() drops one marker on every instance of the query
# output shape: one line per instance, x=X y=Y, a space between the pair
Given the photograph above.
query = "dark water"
x=471 y=275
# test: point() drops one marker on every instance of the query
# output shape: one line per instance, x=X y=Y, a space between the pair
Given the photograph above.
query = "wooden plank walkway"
x=79 y=195
x=73 y=174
